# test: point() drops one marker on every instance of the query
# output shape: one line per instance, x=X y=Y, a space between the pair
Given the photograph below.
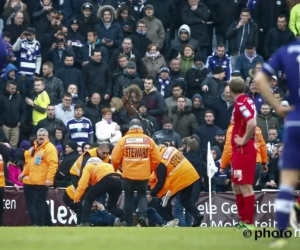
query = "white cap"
x=274 y=77
x=94 y=160
x=285 y=103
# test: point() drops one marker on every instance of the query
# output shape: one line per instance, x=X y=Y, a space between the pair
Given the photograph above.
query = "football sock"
x=240 y=206
x=283 y=206
x=249 y=202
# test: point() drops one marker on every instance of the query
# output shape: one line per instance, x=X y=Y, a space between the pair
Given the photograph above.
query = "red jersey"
x=244 y=110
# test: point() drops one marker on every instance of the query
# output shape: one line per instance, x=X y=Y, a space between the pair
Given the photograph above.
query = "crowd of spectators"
x=83 y=70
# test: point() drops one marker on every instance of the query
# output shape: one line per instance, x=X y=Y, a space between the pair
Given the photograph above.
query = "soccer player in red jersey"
x=243 y=153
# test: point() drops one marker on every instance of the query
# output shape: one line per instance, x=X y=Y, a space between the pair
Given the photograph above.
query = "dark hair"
x=67 y=94
x=148 y=77
x=166 y=120
x=54 y=11
x=11 y=82
x=181 y=97
x=94 y=31
x=78 y=106
x=221 y=45
x=96 y=50
x=6 y=34
x=209 y=112
x=249 y=45
x=282 y=16
x=246 y=10
x=278 y=92
x=51 y=105
x=175 y=85
x=69 y=55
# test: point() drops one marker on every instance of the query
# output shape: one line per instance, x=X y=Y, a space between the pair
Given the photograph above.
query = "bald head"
x=135 y=122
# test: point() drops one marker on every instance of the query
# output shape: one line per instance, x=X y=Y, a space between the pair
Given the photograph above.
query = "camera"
x=59 y=40
x=108 y=40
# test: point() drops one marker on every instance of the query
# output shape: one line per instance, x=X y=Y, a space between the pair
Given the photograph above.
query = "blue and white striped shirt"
x=80 y=130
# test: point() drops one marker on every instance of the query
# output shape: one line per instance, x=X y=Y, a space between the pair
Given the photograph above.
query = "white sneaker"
x=172 y=223
x=293 y=220
x=166 y=198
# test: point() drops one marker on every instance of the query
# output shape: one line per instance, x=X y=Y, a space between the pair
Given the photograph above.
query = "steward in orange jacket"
x=41 y=169
x=103 y=180
x=102 y=152
x=178 y=174
x=261 y=147
x=43 y=163
x=137 y=154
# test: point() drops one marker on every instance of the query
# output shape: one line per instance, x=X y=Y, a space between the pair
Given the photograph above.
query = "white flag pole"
x=209 y=183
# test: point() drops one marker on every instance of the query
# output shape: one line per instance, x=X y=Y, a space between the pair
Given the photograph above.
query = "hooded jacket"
x=129 y=104
x=199 y=113
x=177 y=44
x=86 y=52
x=113 y=32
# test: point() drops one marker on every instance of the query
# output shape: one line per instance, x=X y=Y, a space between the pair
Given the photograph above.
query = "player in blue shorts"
x=287 y=59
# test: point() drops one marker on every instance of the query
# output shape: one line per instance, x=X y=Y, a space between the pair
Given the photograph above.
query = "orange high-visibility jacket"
x=77 y=166
x=152 y=182
x=92 y=174
x=27 y=156
x=43 y=164
x=137 y=154
x=71 y=190
x=180 y=172
x=261 y=147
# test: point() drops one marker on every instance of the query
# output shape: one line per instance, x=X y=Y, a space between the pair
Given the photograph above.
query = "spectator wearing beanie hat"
x=196 y=75
x=213 y=86
x=164 y=83
x=70 y=156
x=86 y=19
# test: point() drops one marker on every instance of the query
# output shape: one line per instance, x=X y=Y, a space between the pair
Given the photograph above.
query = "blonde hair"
x=23 y=5
x=117 y=103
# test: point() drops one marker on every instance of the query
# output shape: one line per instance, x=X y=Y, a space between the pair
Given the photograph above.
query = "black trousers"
x=68 y=201
x=186 y=200
x=141 y=186
x=35 y=198
x=111 y=185
x=1 y=205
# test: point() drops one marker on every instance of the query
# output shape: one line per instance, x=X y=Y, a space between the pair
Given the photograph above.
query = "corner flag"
x=211 y=167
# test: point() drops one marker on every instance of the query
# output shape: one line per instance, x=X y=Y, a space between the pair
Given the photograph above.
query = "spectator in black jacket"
x=207 y=131
x=68 y=74
x=132 y=54
x=224 y=12
x=266 y=14
x=12 y=113
x=93 y=109
x=50 y=122
x=154 y=100
x=198 y=109
x=86 y=19
x=195 y=15
x=97 y=76
x=139 y=39
x=53 y=85
x=223 y=107
x=93 y=42
x=195 y=76
x=126 y=21
x=63 y=172
x=277 y=37
x=59 y=51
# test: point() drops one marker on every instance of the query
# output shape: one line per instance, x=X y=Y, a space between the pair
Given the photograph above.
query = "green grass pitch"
x=86 y=238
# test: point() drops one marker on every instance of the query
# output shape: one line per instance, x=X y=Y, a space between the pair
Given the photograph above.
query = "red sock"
x=240 y=206
x=249 y=202
x=298 y=201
